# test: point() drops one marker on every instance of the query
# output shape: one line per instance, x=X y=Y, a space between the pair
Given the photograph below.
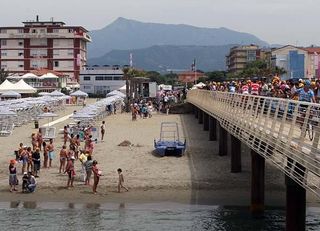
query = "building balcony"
x=40 y=35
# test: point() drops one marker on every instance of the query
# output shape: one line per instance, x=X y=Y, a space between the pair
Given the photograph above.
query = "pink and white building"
x=48 y=45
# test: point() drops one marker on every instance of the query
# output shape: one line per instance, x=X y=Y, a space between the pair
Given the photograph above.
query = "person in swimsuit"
x=63 y=157
x=96 y=176
x=39 y=139
x=103 y=129
x=70 y=171
x=50 y=152
x=121 y=181
x=45 y=154
x=30 y=162
x=34 y=141
x=12 y=175
x=65 y=135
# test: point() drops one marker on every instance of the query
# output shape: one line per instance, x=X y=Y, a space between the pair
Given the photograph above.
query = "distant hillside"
x=161 y=58
x=124 y=34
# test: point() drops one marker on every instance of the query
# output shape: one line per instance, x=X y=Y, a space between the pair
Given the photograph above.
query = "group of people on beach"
x=142 y=109
x=72 y=150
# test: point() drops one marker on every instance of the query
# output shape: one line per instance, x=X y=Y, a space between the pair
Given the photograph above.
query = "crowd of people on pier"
x=78 y=145
x=303 y=90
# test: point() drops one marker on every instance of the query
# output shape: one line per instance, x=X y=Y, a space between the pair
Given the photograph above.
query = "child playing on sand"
x=121 y=181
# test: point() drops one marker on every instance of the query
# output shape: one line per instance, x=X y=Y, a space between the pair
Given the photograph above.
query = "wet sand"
x=200 y=176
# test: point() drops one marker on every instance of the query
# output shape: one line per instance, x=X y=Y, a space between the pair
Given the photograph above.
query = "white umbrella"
x=115 y=92
x=11 y=94
x=44 y=93
x=6 y=112
x=56 y=94
x=79 y=94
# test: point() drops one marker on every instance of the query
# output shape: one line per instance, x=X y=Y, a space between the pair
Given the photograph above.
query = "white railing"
x=286 y=132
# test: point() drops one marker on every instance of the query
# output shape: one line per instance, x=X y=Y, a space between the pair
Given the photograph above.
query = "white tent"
x=79 y=94
x=6 y=86
x=115 y=92
x=200 y=85
x=56 y=93
x=28 y=75
x=10 y=94
x=123 y=89
x=23 y=87
x=49 y=76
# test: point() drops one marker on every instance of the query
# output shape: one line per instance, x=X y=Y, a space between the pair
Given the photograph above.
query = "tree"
x=216 y=76
x=3 y=75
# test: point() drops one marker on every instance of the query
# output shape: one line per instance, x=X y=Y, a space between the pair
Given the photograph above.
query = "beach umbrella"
x=79 y=94
x=56 y=94
x=115 y=92
x=6 y=112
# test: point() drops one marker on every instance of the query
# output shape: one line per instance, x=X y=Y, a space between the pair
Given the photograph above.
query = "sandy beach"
x=200 y=176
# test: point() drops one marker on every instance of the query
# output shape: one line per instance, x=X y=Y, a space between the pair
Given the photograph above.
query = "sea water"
x=156 y=216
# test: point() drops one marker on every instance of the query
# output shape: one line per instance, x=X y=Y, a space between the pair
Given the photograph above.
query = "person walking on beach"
x=96 y=176
x=63 y=156
x=30 y=162
x=45 y=154
x=13 y=181
x=88 y=167
x=24 y=159
x=39 y=138
x=34 y=141
x=103 y=129
x=70 y=171
x=50 y=152
x=121 y=181
x=36 y=161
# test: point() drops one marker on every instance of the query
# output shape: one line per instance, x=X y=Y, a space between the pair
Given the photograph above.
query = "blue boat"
x=169 y=143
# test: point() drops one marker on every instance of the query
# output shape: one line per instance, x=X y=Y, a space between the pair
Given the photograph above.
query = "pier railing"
x=285 y=132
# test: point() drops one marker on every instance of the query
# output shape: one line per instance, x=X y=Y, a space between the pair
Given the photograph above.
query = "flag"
x=193 y=65
x=131 y=62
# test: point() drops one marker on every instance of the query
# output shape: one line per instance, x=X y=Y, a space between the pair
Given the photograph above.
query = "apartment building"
x=239 y=56
x=48 y=45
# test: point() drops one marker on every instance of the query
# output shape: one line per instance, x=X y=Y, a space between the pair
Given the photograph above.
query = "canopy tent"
x=115 y=92
x=79 y=94
x=44 y=93
x=199 y=85
x=123 y=89
x=6 y=86
x=10 y=94
x=23 y=88
x=28 y=76
x=49 y=76
x=56 y=93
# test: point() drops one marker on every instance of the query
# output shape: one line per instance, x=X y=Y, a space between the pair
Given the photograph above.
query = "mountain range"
x=165 y=44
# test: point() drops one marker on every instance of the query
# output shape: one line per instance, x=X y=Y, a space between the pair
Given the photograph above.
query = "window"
x=55 y=30
x=20 y=31
x=56 y=42
x=56 y=63
x=86 y=87
x=70 y=30
x=3 y=53
x=70 y=52
x=86 y=78
x=20 y=43
x=33 y=31
x=3 y=31
x=251 y=55
x=20 y=65
x=116 y=78
x=3 y=42
x=99 y=78
x=20 y=53
x=42 y=30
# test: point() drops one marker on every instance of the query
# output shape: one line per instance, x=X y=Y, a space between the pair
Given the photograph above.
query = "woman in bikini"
x=39 y=139
x=30 y=162
x=63 y=157
x=70 y=171
x=96 y=176
x=65 y=135
x=13 y=176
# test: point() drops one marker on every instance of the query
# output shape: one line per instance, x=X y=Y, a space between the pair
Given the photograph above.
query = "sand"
x=200 y=176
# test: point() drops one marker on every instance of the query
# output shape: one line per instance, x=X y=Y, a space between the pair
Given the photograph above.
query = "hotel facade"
x=47 y=45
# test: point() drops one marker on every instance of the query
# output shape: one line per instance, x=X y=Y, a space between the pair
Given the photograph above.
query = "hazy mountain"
x=123 y=34
x=161 y=58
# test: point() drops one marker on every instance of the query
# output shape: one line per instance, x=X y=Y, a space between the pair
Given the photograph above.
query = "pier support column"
x=212 y=129
x=223 y=141
x=205 y=121
x=200 y=116
x=295 y=206
x=257 y=184
x=196 y=112
x=235 y=154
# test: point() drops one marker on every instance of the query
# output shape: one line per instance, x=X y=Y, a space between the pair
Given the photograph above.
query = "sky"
x=283 y=22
